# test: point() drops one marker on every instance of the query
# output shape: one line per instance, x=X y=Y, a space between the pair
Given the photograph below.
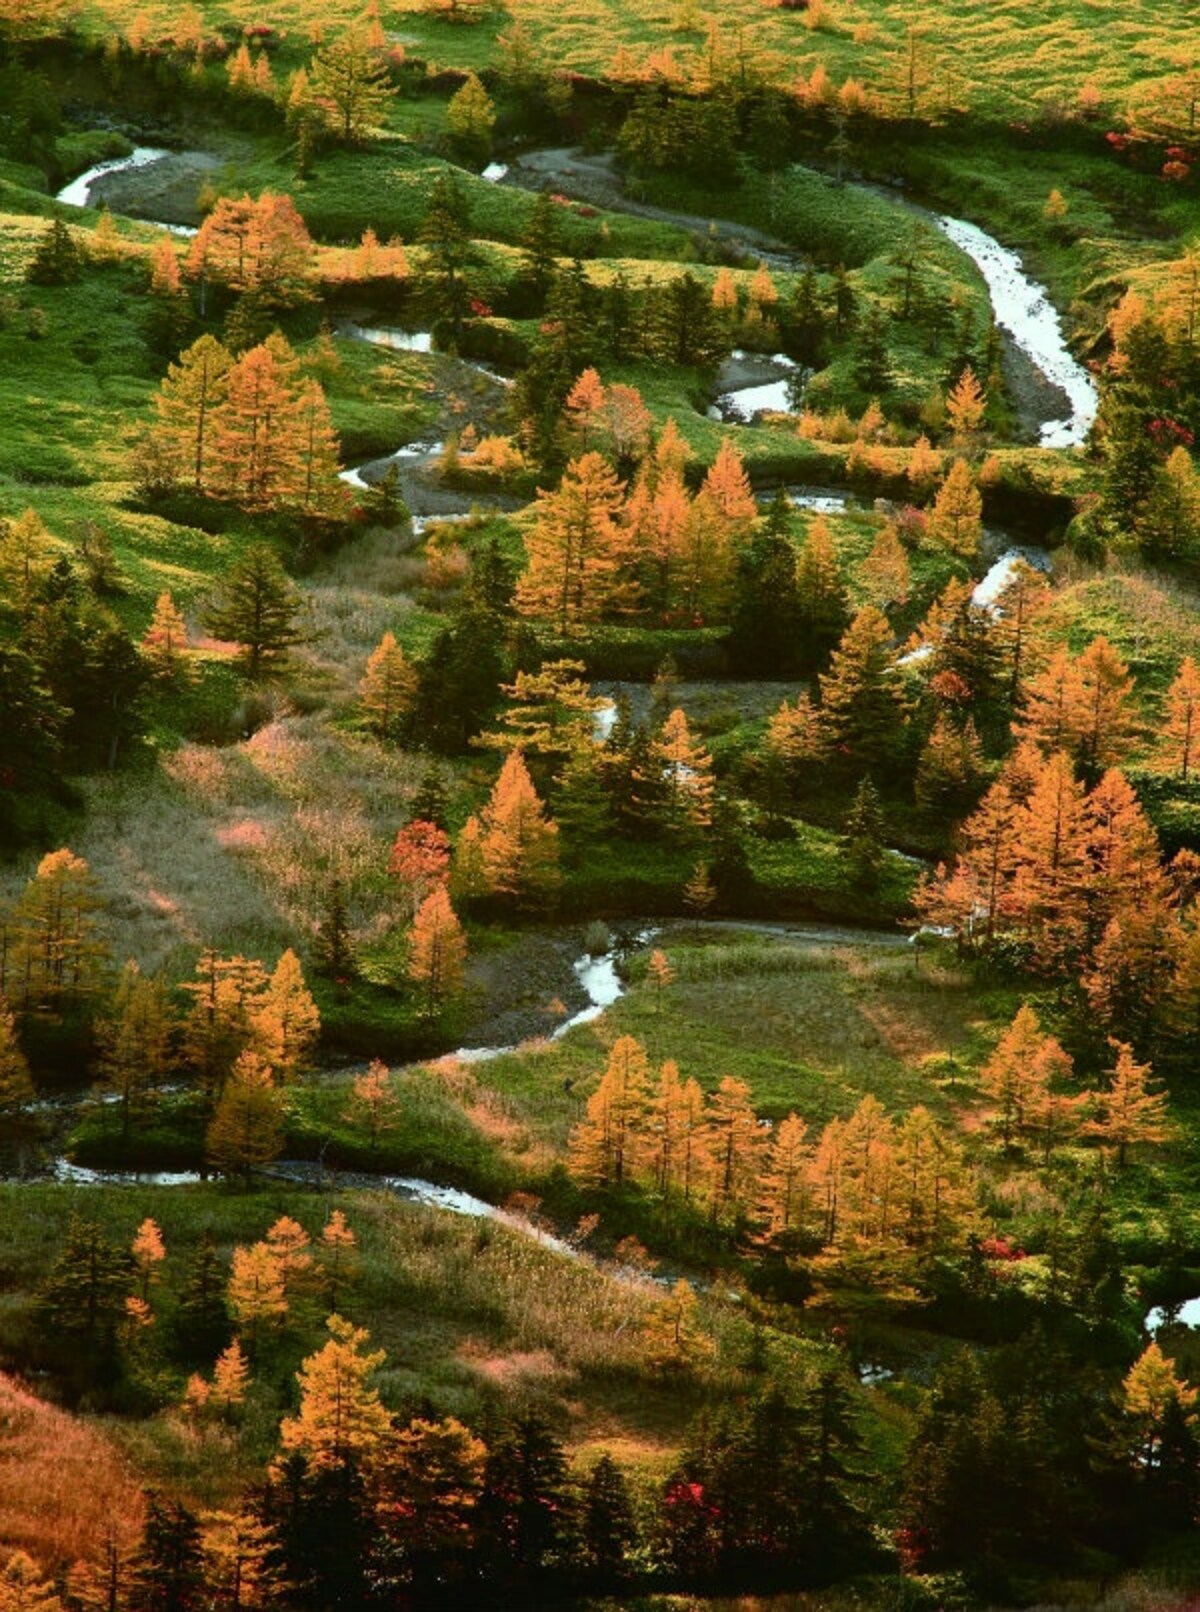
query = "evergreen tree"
x=872 y=366
x=862 y=705
x=320 y=1533
x=83 y=1297
x=446 y=234
x=862 y=838
x=764 y=636
x=334 y=941
x=523 y=1509
x=257 y=607
x=203 y=1321
x=429 y=1496
x=57 y=259
x=169 y=1567
x=609 y=1528
x=470 y=118
x=540 y=248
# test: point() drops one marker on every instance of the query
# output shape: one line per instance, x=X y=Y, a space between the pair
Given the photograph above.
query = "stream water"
x=1023 y=308
x=77 y=193
x=771 y=394
x=1020 y=306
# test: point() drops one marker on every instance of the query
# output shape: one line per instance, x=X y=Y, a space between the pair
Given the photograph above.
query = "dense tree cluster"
x=253 y=430
x=867 y=1188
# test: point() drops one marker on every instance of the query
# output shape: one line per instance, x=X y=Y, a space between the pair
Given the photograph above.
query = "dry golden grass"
x=64 y=1490
x=236 y=846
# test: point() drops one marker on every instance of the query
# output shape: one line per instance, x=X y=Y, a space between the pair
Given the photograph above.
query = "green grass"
x=970 y=47
x=466 y=1310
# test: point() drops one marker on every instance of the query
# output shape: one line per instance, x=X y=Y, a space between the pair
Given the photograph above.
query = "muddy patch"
x=711 y=707
x=531 y=988
x=165 y=191
x=592 y=177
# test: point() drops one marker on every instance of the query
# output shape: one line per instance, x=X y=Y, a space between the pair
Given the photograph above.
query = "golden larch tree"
x=286 y=1020
x=660 y=973
x=231 y=1378
x=1014 y=1075
x=1108 y=723
x=388 y=690
x=1179 y=734
x=437 y=951
x=341 y=1419
x=59 y=953
x=575 y=548
x=135 y=1043
x=149 y=1251
x=16 y=1084
x=1128 y=1113
x=165 y=643
x=784 y=1197
x=256 y=1293
x=290 y=1243
x=373 y=1102
x=338 y=1243
x=583 y=411
x=966 y=407
x=672 y=1334
x=886 y=573
x=687 y=773
x=518 y=843
x=246 y=1130
x=1152 y=1394
x=257 y=438
x=956 y=519
x=188 y=408
x=728 y=486
x=735 y=1145
x=604 y=1147
x=1050 y=887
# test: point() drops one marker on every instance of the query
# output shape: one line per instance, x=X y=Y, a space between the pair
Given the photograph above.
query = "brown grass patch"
x=64 y=1490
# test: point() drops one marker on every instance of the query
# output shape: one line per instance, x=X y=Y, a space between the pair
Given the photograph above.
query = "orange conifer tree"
x=518 y=843
x=1128 y=1113
x=1179 y=739
x=437 y=950
x=574 y=551
x=604 y=1148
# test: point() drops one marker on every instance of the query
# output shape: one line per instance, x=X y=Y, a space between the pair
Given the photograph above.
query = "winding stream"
x=1020 y=305
x=1023 y=308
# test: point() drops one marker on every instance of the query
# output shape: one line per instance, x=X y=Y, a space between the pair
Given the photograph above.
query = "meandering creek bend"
x=1020 y=306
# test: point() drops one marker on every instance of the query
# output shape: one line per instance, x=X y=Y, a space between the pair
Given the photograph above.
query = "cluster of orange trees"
x=867 y=1182
x=253 y=430
x=1073 y=875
